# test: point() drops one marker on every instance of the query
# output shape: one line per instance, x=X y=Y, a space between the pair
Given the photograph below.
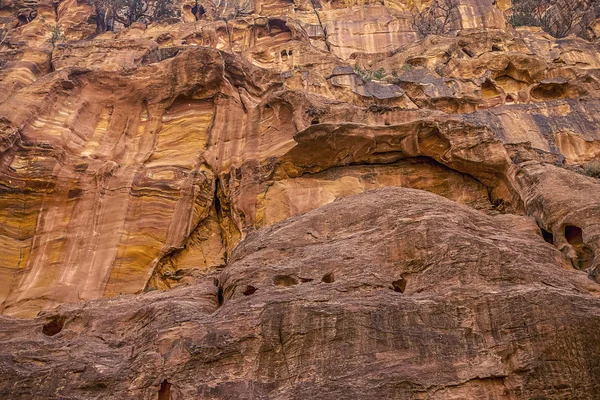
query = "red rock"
x=187 y=207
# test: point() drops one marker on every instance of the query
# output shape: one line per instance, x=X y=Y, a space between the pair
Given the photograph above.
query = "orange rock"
x=226 y=160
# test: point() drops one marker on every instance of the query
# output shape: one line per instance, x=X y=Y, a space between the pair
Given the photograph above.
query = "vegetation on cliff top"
x=559 y=18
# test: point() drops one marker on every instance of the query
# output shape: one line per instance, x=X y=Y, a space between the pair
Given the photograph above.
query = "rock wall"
x=197 y=199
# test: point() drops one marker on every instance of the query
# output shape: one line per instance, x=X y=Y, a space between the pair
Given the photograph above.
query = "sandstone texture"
x=300 y=200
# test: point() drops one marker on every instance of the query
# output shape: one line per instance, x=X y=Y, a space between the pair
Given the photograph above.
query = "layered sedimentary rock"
x=168 y=187
x=394 y=293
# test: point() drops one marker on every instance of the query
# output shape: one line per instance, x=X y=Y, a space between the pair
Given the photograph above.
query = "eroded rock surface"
x=306 y=199
x=393 y=293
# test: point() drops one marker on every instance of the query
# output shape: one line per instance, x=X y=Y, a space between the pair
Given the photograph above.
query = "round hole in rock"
x=314 y=121
x=285 y=280
x=328 y=278
x=164 y=393
x=249 y=290
x=54 y=326
x=574 y=235
x=399 y=285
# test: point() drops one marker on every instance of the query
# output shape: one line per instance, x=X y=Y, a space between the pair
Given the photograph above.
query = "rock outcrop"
x=393 y=293
x=295 y=200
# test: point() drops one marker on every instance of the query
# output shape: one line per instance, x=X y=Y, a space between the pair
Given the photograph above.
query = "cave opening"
x=249 y=290
x=399 y=285
x=328 y=278
x=164 y=393
x=54 y=326
x=216 y=197
x=548 y=236
x=219 y=292
x=574 y=235
x=585 y=255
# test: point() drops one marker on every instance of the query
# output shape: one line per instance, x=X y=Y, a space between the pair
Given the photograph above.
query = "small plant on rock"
x=556 y=19
x=56 y=35
x=592 y=169
x=368 y=75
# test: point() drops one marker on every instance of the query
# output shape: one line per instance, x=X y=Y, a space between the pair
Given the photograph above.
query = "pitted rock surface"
x=306 y=199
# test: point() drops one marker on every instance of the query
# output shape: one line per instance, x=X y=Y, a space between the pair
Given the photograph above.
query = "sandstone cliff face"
x=197 y=198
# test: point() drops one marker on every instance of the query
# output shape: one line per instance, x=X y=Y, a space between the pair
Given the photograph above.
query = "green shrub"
x=57 y=35
x=576 y=18
x=368 y=75
x=592 y=169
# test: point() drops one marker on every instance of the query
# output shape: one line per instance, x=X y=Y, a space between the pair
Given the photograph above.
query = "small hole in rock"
x=164 y=393
x=585 y=255
x=54 y=326
x=574 y=235
x=220 y=296
x=314 y=121
x=73 y=193
x=328 y=278
x=496 y=48
x=285 y=280
x=249 y=290
x=399 y=285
